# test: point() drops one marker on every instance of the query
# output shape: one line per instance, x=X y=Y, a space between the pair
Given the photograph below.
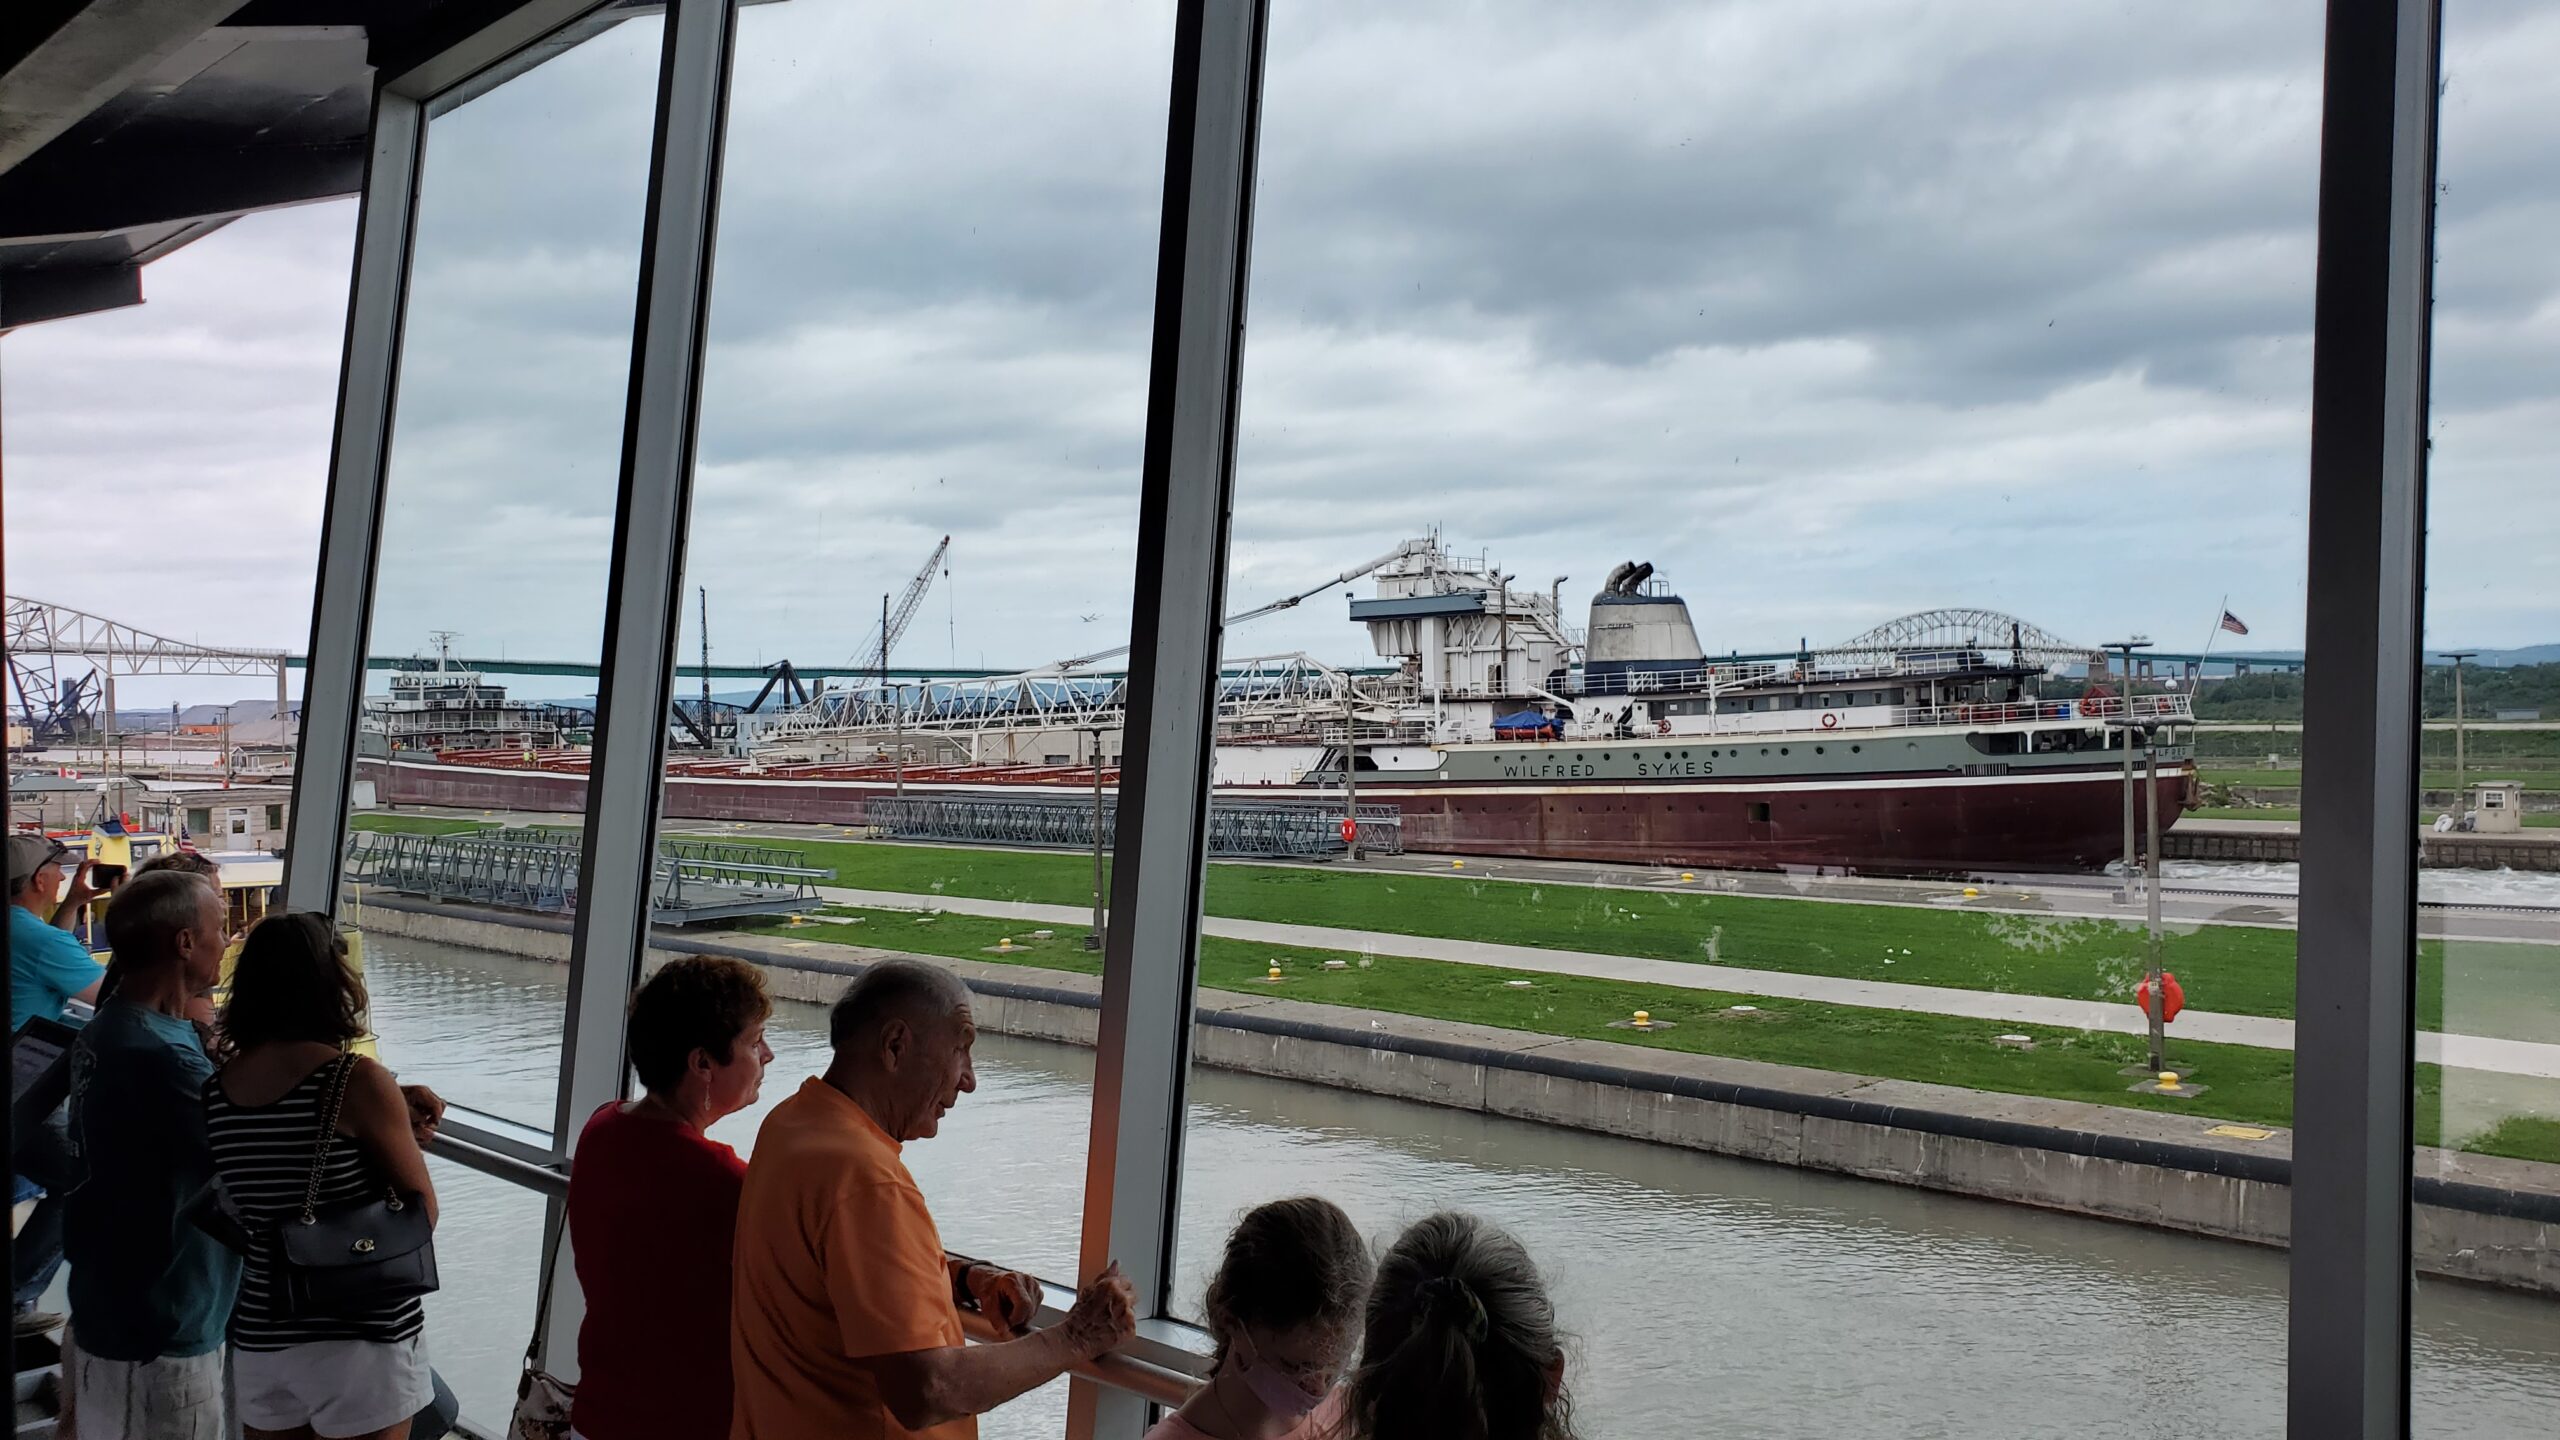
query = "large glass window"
x=909 y=559
x=489 y=597
x=2488 y=996
x=1745 y=467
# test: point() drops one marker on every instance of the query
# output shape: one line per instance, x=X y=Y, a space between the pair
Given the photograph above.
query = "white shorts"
x=164 y=1399
x=337 y=1387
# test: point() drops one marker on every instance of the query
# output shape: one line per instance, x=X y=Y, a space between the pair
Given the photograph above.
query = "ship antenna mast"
x=444 y=647
x=704 y=592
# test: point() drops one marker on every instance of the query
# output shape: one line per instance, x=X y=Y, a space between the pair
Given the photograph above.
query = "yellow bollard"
x=1457 y=864
x=1644 y=1020
x=1004 y=942
x=1686 y=877
x=1972 y=894
x=1275 y=971
x=2168 y=1079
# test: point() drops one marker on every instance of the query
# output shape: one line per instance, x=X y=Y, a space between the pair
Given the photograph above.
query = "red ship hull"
x=2047 y=821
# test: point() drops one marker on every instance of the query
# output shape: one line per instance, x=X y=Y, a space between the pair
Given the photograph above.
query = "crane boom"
x=875 y=653
x=1410 y=547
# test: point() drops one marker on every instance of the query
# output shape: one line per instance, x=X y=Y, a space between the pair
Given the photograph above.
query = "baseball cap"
x=31 y=853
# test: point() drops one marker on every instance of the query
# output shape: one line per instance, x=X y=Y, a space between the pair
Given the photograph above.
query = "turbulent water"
x=1706 y=1297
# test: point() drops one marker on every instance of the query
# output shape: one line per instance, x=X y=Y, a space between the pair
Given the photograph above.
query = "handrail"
x=1165 y=1362
x=543 y=1179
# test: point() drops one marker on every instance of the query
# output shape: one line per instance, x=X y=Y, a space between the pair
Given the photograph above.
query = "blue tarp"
x=1527 y=722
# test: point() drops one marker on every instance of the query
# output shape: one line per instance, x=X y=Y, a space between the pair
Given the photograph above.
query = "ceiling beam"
x=116 y=187
x=30 y=296
x=97 y=51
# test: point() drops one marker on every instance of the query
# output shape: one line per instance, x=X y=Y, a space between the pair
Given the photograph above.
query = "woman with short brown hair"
x=653 y=1208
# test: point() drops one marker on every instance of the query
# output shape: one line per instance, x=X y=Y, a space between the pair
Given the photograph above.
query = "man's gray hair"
x=150 y=912
x=910 y=990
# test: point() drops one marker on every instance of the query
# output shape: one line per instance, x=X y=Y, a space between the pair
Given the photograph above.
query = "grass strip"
x=2246 y=1083
x=2231 y=969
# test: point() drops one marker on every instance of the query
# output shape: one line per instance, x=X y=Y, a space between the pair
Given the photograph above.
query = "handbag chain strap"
x=334 y=1101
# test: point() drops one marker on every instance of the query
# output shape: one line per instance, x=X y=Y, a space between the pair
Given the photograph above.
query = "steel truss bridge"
x=42 y=636
x=1263 y=694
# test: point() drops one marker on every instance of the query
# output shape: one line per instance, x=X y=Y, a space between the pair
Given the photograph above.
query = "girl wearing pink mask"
x=1285 y=1309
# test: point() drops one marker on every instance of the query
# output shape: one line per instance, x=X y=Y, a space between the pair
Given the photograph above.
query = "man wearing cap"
x=48 y=967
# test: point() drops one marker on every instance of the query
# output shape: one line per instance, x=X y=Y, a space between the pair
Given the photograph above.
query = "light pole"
x=2457 y=657
x=1093 y=937
x=1350 y=773
x=2159 y=1006
x=2124 y=704
x=226 y=745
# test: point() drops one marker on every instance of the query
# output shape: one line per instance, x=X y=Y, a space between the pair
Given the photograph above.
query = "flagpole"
x=2219 y=611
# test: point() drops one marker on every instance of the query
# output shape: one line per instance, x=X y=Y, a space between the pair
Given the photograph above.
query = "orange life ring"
x=1830 y=721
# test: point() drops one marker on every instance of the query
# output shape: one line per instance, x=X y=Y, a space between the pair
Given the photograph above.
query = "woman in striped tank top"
x=295 y=1004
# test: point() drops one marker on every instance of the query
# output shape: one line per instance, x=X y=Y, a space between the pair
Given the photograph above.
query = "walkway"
x=2469 y=1052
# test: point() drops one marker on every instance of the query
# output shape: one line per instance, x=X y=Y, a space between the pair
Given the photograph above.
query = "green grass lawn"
x=2234 y=969
x=2433 y=779
x=2246 y=1083
x=416 y=824
x=2287 y=812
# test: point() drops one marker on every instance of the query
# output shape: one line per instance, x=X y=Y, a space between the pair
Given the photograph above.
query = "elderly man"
x=847 y=1322
x=48 y=968
x=151 y=1293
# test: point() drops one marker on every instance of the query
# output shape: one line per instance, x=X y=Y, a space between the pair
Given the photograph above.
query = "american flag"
x=2232 y=623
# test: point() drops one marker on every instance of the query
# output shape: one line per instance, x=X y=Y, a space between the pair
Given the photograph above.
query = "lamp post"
x=2457 y=657
x=1093 y=937
x=2151 y=898
x=226 y=745
x=2124 y=704
x=1350 y=773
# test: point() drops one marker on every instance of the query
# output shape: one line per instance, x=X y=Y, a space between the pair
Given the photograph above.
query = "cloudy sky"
x=1833 y=312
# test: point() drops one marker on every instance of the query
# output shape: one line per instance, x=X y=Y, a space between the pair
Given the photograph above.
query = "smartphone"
x=105 y=877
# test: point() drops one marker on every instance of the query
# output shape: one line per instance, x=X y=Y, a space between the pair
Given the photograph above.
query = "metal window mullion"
x=641 y=611
x=2348 y=1356
x=1134 y=1165
x=351 y=517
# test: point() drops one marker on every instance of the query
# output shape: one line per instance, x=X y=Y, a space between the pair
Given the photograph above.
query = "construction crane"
x=893 y=623
x=1410 y=547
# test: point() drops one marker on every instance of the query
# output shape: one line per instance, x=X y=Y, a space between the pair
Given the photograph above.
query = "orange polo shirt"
x=837 y=1260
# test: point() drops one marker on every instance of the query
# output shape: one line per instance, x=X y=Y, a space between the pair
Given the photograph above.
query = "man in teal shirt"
x=151 y=1293
x=48 y=967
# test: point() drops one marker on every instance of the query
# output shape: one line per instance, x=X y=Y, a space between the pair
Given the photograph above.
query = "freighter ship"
x=1923 y=747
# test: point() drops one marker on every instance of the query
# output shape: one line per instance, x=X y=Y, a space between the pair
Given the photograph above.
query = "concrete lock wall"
x=2478 y=1218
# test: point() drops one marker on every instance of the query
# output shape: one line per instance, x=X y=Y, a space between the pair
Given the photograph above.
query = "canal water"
x=1706 y=1297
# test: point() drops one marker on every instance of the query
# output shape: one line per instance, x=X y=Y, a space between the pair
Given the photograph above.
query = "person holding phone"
x=48 y=969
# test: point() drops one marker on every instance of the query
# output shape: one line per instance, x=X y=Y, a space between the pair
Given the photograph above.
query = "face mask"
x=1278 y=1391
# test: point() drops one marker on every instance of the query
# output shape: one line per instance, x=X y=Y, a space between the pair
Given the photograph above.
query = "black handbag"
x=358 y=1256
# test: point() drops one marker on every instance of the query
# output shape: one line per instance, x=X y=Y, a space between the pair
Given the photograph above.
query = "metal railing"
x=1283 y=831
x=538 y=870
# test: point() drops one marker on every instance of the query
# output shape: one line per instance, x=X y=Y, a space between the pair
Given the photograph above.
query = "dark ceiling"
x=130 y=127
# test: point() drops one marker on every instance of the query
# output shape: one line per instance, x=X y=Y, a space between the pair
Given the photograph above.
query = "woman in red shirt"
x=653 y=1209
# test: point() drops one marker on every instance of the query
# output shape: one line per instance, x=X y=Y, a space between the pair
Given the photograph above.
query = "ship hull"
x=2050 y=821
